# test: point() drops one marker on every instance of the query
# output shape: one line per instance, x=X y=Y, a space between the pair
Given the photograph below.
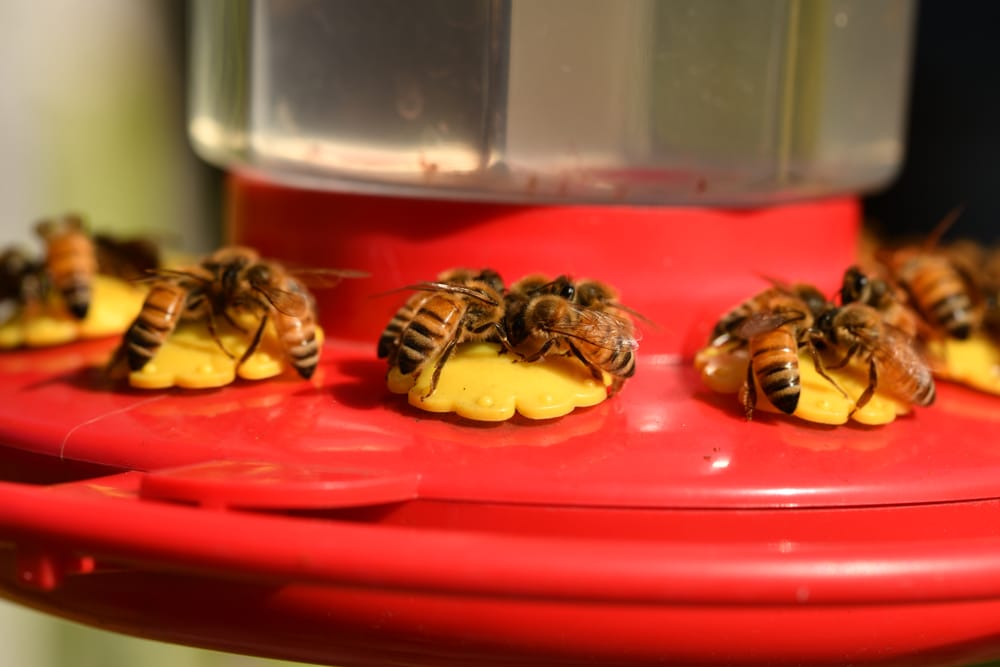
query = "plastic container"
x=702 y=102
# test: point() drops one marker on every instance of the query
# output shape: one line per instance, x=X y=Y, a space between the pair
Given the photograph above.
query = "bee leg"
x=818 y=365
x=502 y=337
x=541 y=352
x=869 y=391
x=594 y=370
x=214 y=333
x=847 y=357
x=255 y=342
x=750 y=395
x=233 y=323
x=439 y=365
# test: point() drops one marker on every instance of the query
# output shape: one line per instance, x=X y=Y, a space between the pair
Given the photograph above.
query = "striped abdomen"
x=434 y=324
x=388 y=342
x=158 y=318
x=71 y=263
x=775 y=363
x=609 y=344
x=940 y=293
x=297 y=336
x=903 y=374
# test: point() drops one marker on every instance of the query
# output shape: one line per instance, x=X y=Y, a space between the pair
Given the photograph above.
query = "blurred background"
x=93 y=120
x=93 y=111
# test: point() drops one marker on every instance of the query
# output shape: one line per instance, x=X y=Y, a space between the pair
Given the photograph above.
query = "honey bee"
x=70 y=261
x=937 y=289
x=22 y=283
x=889 y=301
x=558 y=317
x=772 y=326
x=990 y=287
x=805 y=298
x=462 y=306
x=938 y=282
x=388 y=344
x=274 y=293
x=231 y=280
x=772 y=338
x=894 y=365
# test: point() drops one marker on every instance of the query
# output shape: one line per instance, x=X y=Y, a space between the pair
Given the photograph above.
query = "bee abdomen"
x=389 y=340
x=298 y=338
x=388 y=343
x=426 y=333
x=622 y=364
x=144 y=340
x=77 y=298
x=776 y=369
x=942 y=296
x=926 y=394
x=416 y=345
x=918 y=385
x=156 y=320
x=72 y=263
x=954 y=313
x=305 y=357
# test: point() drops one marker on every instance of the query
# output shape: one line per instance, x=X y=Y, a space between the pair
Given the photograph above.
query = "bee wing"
x=445 y=287
x=324 y=278
x=126 y=257
x=634 y=313
x=286 y=302
x=599 y=328
x=153 y=275
x=761 y=322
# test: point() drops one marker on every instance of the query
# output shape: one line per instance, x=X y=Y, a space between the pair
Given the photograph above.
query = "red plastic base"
x=329 y=521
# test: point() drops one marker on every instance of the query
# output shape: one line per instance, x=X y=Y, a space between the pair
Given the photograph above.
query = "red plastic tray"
x=328 y=521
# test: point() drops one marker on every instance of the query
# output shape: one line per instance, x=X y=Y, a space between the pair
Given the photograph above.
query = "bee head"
x=825 y=321
x=491 y=278
x=561 y=287
x=259 y=274
x=855 y=286
x=592 y=293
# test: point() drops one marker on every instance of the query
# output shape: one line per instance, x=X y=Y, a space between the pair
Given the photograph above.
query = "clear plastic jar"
x=705 y=102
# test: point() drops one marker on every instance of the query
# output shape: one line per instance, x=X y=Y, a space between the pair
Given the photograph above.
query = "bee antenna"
x=943 y=226
x=775 y=282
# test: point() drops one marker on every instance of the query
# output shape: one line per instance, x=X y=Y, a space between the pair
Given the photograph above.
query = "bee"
x=888 y=300
x=462 y=306
x=232 y=280
x=772 y=326
x=772 y=338
x=22 y=283
x=553 y=317
x=938 y=290
x=22 y=277
x=894 y=365
x=990 y=287
x=937 y=282
x=805 y=297
x=388 y=344
x=275 y=294
x=70 y=261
